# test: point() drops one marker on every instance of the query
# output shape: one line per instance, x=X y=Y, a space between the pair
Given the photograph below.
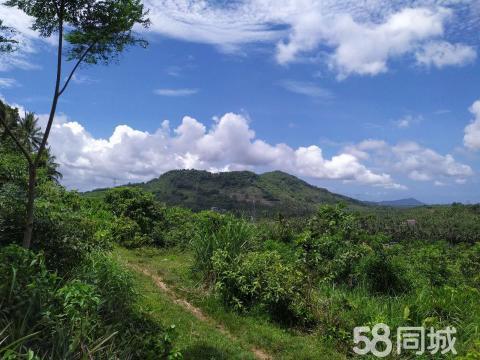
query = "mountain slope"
x=410 y=202
x=242 y=191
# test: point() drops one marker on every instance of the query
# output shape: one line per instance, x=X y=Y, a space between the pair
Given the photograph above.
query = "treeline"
x=456 y=223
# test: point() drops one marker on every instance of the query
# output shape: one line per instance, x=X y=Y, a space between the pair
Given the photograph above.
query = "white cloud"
x=130 y=155
x=407 y=121
x=412 y=160
x=442 y=53
x=175 y=92
x=364 y=48
x=25 y=36
x=356 y=37
x=472 y=131
x=306 y=88
x=83 y=79
x=8 y=83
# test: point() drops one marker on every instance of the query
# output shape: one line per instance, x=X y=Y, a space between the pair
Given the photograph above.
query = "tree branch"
x=75 y=68
x=17 y=142
x=56 y=95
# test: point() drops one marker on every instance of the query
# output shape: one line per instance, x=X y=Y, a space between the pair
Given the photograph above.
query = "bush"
x=222 y=232
x=127 y=233
x=111 y=281
x=65 y=238
x=261 y=279
x=470 y=265
x=26 y=288
x=135 y=204
x=381 y=275
x=177 y=228
x=52 y=319
x=44 y=315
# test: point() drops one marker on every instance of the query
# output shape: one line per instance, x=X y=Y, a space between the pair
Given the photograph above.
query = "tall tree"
x=97 y=31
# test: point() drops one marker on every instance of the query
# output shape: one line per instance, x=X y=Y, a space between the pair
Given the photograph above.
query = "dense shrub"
x=111 y=281
x=177 y=228
x=93 y=314
x=334 y=249
x=127 y=233
x=261 y=279
x=381 y=275
x=220 y=232
x=26 y=289
x=470 y=265
x=136 y=205
x=56 y=318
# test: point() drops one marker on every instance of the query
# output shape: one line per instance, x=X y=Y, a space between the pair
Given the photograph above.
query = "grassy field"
x=199 y=339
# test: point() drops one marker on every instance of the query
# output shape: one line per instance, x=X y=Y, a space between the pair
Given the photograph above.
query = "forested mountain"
x=410 y=202
x=242 y=191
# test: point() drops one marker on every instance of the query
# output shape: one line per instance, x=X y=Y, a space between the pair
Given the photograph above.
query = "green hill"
x=241 y=191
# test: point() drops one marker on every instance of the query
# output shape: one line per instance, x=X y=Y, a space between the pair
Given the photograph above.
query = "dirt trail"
x=195 y=311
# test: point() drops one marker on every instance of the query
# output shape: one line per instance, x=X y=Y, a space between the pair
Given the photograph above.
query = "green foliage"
x=135 y=204
x=455 y=224
x=111 y=281
x=243 y=193
x=67 y=228
x=470 y=265
x=26 y=286
x=220 y=232
x=104 y=28
x=137 y=215
x=7 y=43
x=177 y=228
x=382 y=275
x=127 y=232
x=261 y=279
x=47 y=316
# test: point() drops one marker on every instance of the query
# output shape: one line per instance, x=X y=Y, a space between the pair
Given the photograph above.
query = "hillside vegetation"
x=243 y=192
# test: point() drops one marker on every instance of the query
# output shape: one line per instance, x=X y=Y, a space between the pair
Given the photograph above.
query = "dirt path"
x=195 y=311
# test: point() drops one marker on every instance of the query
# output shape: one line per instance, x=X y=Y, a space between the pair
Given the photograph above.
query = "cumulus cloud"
x=472 y=131
x=442 y=53
x=364 y=48
x=130 y=155
x=411 y=159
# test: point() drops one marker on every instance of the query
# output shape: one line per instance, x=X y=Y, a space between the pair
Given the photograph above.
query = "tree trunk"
x=32 y=179
x=32 y=170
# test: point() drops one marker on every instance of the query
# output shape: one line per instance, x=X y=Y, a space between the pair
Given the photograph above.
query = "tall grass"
x=226 y=233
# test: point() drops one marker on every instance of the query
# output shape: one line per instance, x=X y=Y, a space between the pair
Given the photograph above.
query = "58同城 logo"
x=377 y=340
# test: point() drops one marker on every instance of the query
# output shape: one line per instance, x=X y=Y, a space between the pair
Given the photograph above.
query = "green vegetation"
x=96 y=31
x=240 y=192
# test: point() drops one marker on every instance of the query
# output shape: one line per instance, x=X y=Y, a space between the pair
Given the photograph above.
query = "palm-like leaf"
x=30 y=131
x=51 y=166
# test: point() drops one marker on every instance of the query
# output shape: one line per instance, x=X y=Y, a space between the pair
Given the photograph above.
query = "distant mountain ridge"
x=409 y=202
x=242 y=191
x=247 y=192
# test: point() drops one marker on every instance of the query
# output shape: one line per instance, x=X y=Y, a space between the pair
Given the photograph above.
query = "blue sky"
x=375 y=99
